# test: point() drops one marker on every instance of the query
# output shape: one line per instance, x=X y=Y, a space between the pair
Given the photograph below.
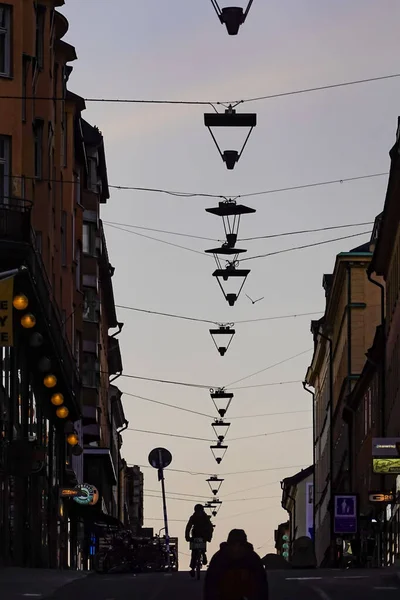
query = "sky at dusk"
x=178 y=50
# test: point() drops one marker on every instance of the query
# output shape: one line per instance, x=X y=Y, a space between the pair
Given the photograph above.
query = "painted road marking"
x=387 y=587
x=353 y=577
x=33 y=595
x=302 y=578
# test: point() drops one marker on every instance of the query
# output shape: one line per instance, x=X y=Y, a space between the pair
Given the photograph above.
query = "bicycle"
x=198 y=547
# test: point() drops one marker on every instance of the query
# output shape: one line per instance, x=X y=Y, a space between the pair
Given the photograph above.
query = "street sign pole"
x=164 y=500
x=159 y=459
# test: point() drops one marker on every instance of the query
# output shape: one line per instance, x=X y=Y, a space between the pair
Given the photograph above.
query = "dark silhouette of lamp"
x=219 y=450
x=221 y=400
x=230 y=118
x=224 y=331
x=215 y=483
x=232 y=16
x=221 y=428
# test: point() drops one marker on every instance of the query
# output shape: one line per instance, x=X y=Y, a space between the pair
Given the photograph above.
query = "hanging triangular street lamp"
x=216 y=509
x=219 y=451
x=230 y=118
x=232 y=16
x=230 y=212
x=215 y=483
x=215 y=505
x=225 y=331
x=221 y=428
x=231 y=272
x=221 y=400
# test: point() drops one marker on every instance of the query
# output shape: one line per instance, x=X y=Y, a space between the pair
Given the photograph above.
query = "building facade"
x=341 y=339
x=297 y=500
x=58 y=356
x=386 y=264
x=134 y=483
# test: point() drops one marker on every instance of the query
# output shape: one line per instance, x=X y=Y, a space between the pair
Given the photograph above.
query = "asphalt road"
x=284 y=585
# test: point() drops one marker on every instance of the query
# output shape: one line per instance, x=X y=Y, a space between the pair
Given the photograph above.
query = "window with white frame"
x=5 y=156
x=5 y=40
x=90 y=310
x=89 y=238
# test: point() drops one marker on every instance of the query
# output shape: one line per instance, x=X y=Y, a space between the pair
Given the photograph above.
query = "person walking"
x=236 y=571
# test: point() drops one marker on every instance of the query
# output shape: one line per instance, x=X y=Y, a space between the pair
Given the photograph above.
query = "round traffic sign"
x=160 y=458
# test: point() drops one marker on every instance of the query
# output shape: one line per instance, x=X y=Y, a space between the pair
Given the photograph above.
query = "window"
x=5 y=155
x=5 y=40
x=64 y=239
x=38 y=141
x=89 y=373
x=64 y=143
x=92 y=174
x=78 y=344
x=40 y=23
x=25 y=69
x=55 y=88
x=89 y=238
x=50 y=138
x=90 y=307
x=77 y=188
x=78 y=266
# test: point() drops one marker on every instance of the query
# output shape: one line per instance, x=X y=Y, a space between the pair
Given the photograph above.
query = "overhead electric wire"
x=199 y=320
x=174 y=435
x=211 y=103
x=255 y=487
x=260 y=385
x=188 y=410
x=178 y=494
x=188 y=235
x=198 y=473
x=167 y=381
x=180 y=194
x=290 y=412
x=149 y=237
x=301 y=231
x=229 y=386
x=258 y=435
x=227 y=440
x=346 y=237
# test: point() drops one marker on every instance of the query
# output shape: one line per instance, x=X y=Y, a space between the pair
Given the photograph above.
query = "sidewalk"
x=18 y=583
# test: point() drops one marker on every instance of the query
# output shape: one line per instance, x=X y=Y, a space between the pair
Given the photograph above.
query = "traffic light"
x=285 y=546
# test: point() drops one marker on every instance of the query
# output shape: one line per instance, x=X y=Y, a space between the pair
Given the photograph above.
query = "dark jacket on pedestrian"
x=199 y=526
x=236 y=572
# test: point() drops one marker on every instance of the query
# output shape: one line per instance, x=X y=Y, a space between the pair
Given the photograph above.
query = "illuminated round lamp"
x=28 y=321
x=62 y=412
x=72 y=439
x=20 y=302
x=44 y=364
x=57 y=399
x=36 y=340
x=50 y=381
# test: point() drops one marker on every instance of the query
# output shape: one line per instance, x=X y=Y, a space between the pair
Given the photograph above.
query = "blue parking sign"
x=346 y=513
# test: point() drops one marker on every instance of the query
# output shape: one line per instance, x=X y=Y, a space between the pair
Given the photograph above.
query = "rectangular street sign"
x=346 y=513
x=388 y=447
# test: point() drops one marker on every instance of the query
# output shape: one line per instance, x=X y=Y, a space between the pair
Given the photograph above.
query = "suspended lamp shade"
x=230 y=118
x=232 y=16
x=221 y=428
x=233 y=275
x=57 y=399
x=62 y=412
x=219 y=451
x=72 y=439
x=50 y=380
x=215 y=484
x=20 y=302
x=28 y=321
x=221 y=400
x=225 y=333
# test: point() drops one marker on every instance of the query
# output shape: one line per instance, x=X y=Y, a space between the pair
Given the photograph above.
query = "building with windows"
x=297 y=500
x=134 y=498
x=341 y=339
x=386 y=264
x=60 y=420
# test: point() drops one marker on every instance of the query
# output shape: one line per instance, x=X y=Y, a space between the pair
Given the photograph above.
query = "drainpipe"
x=382 y=382
x=330 y=342
x=314 y=452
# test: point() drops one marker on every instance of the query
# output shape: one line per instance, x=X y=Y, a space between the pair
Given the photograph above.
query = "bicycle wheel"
x=198 y=565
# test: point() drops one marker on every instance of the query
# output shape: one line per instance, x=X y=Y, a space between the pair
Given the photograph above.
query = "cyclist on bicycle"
x=236 y=571
x=198 y=526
